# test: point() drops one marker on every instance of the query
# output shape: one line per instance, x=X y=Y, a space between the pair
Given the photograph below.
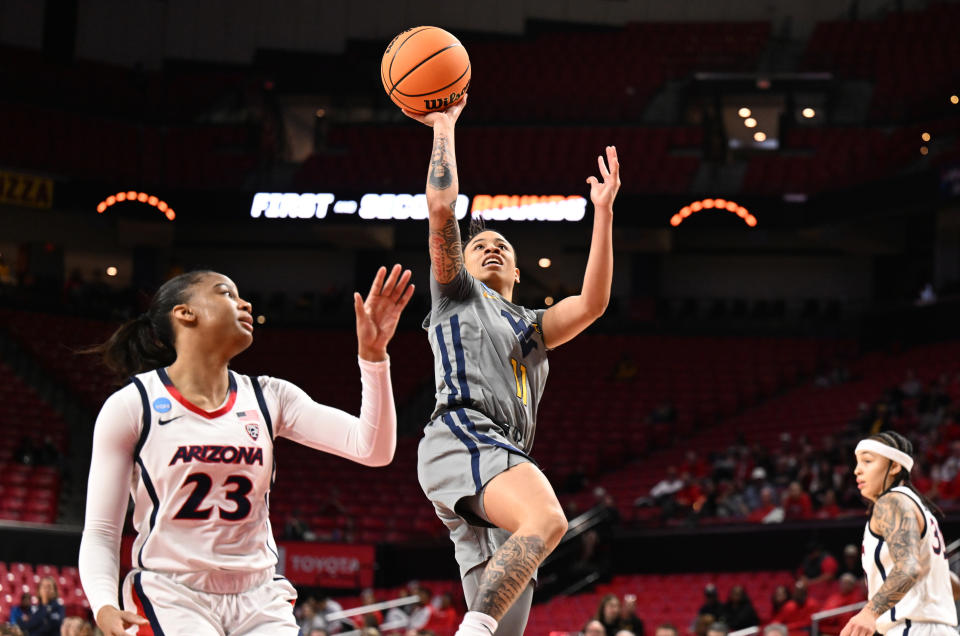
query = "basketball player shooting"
x=491 y=366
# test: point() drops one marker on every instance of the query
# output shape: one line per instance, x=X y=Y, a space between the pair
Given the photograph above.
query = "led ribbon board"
x=713 y=204
x=401 y=207
x=141 y=197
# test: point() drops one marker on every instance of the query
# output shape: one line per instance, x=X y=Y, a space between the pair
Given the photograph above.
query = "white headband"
x=889 y=452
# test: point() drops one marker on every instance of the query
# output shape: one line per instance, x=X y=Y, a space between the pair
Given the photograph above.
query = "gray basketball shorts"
x=461 y=451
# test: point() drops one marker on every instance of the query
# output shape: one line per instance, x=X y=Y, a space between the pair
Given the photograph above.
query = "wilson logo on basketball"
x=437 y=104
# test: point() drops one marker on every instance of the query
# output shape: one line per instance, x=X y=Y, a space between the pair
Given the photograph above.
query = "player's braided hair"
x=147 y=341
x=902 y=478
x=478 y=225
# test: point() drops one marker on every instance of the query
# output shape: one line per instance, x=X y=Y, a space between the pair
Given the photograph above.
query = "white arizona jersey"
x=200 y=480
x=930 y=600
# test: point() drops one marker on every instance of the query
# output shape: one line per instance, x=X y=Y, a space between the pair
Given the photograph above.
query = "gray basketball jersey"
x=489 y=356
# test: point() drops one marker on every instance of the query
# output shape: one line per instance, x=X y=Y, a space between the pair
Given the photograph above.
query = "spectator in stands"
x=666 y=629
x=796 y=503
x=663 y=490
x=594 y=628
x=423 y=610
x=767 y=511
x=376 y=617
x=71 y=626
x=309 y=619
x=628 y=615
x=828 y=506
x=443 y=618
x=818 y=565
x=624 y=632
x=730 y=503
x=796 y=612
x=702 y=624
x=779 y=598
x=738 y=611
x=776 y=629
x=608 y=613
x=711 y=602
x=851 y=564
x=46 y=616
x=756 y=484
x=10 y=630
x=23 y=609
x=718 y=629
x=400 y=616
x=849 y=592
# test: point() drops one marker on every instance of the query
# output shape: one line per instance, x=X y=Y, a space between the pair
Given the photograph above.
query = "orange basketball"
x=425 y=69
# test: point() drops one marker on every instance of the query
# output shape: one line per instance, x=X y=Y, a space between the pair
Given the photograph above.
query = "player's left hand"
x=377 y=316
x=863 y=623
x=603 y=194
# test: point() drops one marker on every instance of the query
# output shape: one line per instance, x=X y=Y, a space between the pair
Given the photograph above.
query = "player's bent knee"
x=554 y=526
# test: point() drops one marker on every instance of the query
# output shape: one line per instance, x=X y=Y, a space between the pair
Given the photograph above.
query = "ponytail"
x=147 y=341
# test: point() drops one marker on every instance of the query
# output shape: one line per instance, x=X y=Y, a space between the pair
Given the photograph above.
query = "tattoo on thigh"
x=507 y=574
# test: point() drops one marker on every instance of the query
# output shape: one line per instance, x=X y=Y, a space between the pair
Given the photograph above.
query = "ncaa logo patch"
x=162 y=405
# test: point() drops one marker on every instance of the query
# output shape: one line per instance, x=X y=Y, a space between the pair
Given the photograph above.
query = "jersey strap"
x=258 y=391
x=144 y=475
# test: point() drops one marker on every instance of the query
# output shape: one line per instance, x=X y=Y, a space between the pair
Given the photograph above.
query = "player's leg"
x=521 y=501
x=264 y=611
x=515 y=620
x=170 y=607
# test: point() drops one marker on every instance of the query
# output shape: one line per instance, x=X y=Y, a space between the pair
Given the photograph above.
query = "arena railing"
x=373 y=607
x=819 y=616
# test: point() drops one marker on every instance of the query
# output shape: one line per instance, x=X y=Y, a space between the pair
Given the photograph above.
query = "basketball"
x=425 y=69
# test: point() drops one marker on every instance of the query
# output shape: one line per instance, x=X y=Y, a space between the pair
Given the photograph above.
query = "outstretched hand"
x=448 y=115
x=603 y=194
x=377 y=316
x=115 y=622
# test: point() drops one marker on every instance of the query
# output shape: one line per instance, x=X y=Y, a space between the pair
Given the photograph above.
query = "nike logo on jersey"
x=162 y=421
x=211 y=454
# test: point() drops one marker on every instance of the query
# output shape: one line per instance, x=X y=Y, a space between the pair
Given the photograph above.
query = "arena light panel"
x=139 y=197
x=713 y=204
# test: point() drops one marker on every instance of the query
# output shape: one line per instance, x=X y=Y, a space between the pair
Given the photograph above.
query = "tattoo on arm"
x=508 y=573
x=896 y=521
x=441 y=174
x=446 y=254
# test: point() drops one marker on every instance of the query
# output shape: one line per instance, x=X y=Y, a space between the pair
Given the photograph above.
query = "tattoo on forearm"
x=508 y=573
x=897 y=524
x=446 y=254
x=441 y=173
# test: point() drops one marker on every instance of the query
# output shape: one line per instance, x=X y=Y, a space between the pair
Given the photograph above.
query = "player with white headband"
x=909 y=584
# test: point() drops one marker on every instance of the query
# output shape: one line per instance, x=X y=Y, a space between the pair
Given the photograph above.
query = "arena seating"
x=23 y=578
x=604 y=75
x=497 y=160
x=808 y=410
x=669 y=598
x=906 y=54
x=27 y=492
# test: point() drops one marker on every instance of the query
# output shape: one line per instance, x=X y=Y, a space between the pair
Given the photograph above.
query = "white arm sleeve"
x=370 y=439
x=111 y=467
